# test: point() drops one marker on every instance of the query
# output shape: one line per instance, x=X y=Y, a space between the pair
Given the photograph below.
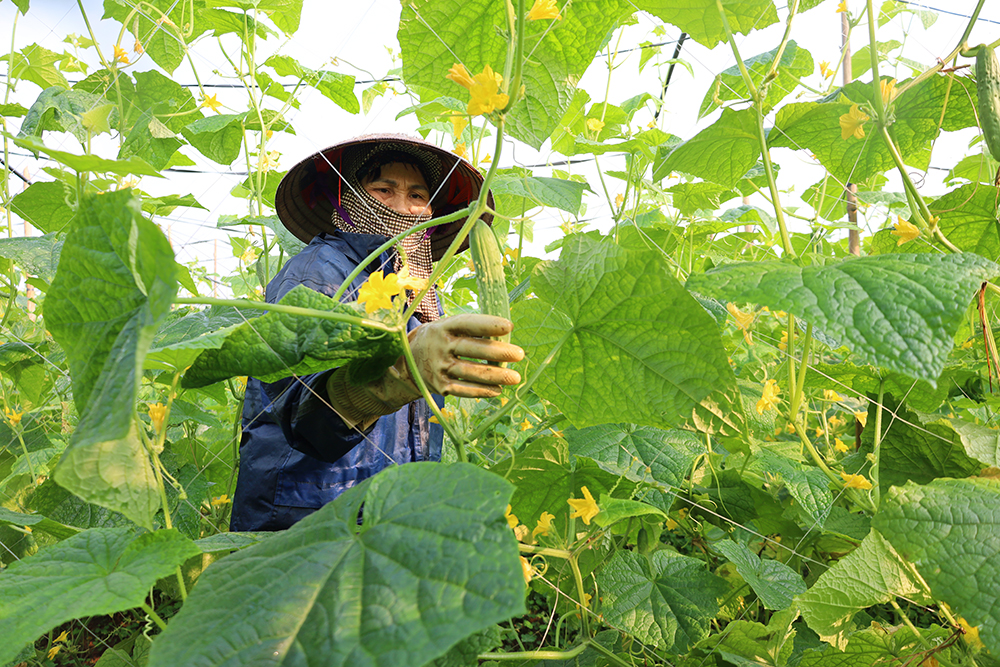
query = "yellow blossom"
x=888 y=87
x=587 y=597
x=835 y=423
x=377 y=292
x=780 y=314
x=512 y=520
x=55 y=647
x=862 y=417
x=905 y=231
x=13 y=417
x=855 y=481
x=842 y=7
x=458 y=125
x=619 y=200
x=544 y=525
x=525 y=425
x=769 y=399
x=967 y=344
x=503 y=401
x=839 y=445
x=269 y=161
x=595 y=125
x=544 y=9
x=783 y=343
x=137 y=47
x=211 y=102
x=63 y=636
x=743 y=320
x=819 y=432
x=484 y=89
x=406 y=281
x=448 y=414
x=249 y=255
x=241 y=382
x=511 y=254
x=121 y=55
x=971 y=634
x=831 y=395
x=521 y=533
x=529 y=571
x=460 y=151
x=825 y=70
x=852 y=123
x=586 y=508
x=157 y=413
x=221 y=500
x=671 y=524
x=488 y=159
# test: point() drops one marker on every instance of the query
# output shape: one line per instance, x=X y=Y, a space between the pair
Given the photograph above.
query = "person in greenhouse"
x=307 y=439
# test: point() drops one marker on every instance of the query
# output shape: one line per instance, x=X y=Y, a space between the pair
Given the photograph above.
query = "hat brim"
x=305 y=212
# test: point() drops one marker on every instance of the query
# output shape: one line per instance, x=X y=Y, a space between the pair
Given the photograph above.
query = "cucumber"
x=488 y=261
x=988 y=88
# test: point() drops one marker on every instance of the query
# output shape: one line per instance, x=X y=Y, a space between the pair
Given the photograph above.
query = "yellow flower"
x=783 y=343
x=241 y=383
x=503 y=401
x=458 y=125
x=484 y=89
x=842 y=7
x=852 y=123
x=967 y=344
x=671 y=524
x=769 y=399
x=525 y=425
x=888 y=87
x=157 y=413
x=619 y=200
x=835 y=422
x=544 y=9
x=137 y=47
x=529 y=571
x=488 y=159
x=839 y=445
x=831 y=395
x=855 y=481
x=13 y=417
x=824 y=69
x=585 y=508
x=862 y=417
x=905 y=231
x=971 y=634
x=377 y=292
x=269 y=160
x=521 y=533
x=819 y=432
x=55 y=648
x=221 y=500
x=595 y=125
x=790 y=428
x=211 y=102
x=780 y=314
x=249 y=255
x=63 y=636
x=511 y=518
x=544 y=525
x=587 y=597
x=460 y=151
x=448 y=414
x=743 y=321
x=121 y=55
x=406 y=281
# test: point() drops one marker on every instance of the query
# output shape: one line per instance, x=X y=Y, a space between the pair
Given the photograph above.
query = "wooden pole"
x=850 y=192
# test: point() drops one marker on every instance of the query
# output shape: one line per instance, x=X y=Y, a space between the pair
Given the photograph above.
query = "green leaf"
x=82 y=163
x=899 y=312
x=336 y=87
x=37 y=65
x=95 y=119
x=918 y=447
x=161 y=40
x=950 y=529
x=748 y=644
x=969 y=218
x=230 y=541
x=638 y=453
x=57 y=530
x=980 y=442
x=61 y=110
x=116 y=279
x=278 y=345
x=795 y=63
x=38 y=255
x=435 y=34
x=689 y=198
x=871 y=574
x=720 y=153
x=542 y=191
x=217 y=137
x=168 y=101
x=545 y=477
x=613 y=318
x=860 y=380
x=861 y=60
x=47 y=205
x=774 y=582
x=750 y=215
x=614 y=510
x=978 y=168
x=99 y=571
x=286 y=240
x=432 y=562
x=666 y=600
x=22 y=5
x=150 y=140
x=807 y=484
x=12 y=110
x=702 y=21
x=881 y=645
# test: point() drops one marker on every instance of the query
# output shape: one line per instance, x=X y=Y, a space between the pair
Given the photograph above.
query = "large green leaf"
x=47 y=205
x=150 y=140
x=854 y=381
x=774 y=582
x=950 y=529
x=703 y=22
x=98 y=571
x=919 y=447
x=969 y=218
x=116 y=280
x=871 y=574
x=336 y=87
x=980 y=442
x=435 y=34
x=36 y=64
x=38 y=255
x=815 y=126
x=60 y=531
x=90 y=162
x=182 y=337
x=807 y=484
x=885 y=645
x=666 y=600
x=432 y=562
x=722 y=153
x=899 y=312
x=638 y=452
x=796 y=62
x=60 y=110
x=278 y=345
x=749 y=644
x=542 y=191
x=616 y=322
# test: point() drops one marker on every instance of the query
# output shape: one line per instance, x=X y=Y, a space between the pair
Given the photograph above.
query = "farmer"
x=307 y=439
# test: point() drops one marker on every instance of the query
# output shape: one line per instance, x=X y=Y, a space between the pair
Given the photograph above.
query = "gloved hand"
x=437 y=347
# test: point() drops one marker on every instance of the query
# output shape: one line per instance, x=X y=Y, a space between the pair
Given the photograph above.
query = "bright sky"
x=362 y=36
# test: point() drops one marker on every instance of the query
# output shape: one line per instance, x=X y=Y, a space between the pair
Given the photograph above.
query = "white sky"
x=362 y=33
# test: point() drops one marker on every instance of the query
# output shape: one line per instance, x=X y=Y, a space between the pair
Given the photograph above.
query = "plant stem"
x=537 y=655
x=578 y=577
x=873 y=52
x=291 y=310
x=609 y=655
x=876 y=448
x=422 y=386
x=153 y=615
x=544 y=551
x=942 y=62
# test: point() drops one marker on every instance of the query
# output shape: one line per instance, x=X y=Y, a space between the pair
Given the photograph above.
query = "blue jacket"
x=296 y=454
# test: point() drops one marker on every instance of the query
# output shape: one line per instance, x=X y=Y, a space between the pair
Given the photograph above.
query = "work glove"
x=440 y=350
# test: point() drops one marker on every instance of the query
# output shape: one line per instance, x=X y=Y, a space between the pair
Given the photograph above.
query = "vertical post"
x=853 y=237
x=747 y=228
x=215 y=269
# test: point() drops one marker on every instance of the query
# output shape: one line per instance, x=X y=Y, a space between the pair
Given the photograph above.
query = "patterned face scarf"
x=360 y=213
